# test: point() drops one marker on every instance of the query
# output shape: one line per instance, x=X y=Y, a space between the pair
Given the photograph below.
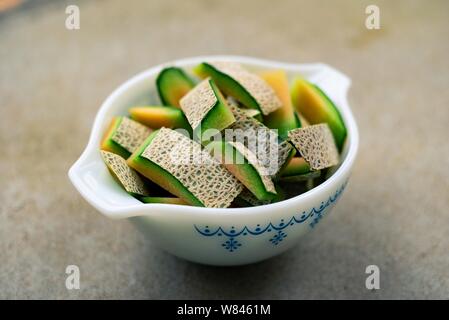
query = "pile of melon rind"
x=184 y=150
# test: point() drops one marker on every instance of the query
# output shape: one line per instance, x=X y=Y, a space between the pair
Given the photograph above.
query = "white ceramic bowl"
x=231 y=236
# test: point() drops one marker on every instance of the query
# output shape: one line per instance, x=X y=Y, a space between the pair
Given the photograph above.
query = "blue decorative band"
x=232 y=244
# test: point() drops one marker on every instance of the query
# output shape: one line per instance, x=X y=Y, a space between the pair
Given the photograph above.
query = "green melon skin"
x=301 y=177
x=107 y=144
x=297 y=178
x=296 y=166
x=244 y=172
x=241 y=202
x=297 y=170
x=290 y=156
x=250 y=113
x=282 y=122
x=316 y=107
x=219 y=117
x=227 y=84
x=159 y=175
x=166 y=200
x=172 y=84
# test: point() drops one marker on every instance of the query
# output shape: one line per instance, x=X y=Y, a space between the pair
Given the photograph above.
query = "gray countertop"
x=394 y=213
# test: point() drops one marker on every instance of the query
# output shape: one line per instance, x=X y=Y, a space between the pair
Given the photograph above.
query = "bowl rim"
x=143 y=208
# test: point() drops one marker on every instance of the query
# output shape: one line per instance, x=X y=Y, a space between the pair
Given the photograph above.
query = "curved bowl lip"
x=140 y=209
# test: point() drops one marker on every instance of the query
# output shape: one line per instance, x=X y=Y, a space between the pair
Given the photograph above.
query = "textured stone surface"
x=394 y=212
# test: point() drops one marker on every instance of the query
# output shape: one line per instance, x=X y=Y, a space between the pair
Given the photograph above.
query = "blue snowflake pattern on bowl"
x=278 y=237
x=232 y=244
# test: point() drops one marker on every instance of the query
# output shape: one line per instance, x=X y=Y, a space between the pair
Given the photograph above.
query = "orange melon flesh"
x=283 y=119
x=108 y=133
x=160 y=116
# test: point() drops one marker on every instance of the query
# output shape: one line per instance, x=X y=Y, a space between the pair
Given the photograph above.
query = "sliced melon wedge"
x=248 y=88
x=157 y=117
x=180 y=166
x=166 y=200
x=172 y=84
x=316 y=145
x=244 y=165
x=285 y=118
x=124 y=136
x=126 y=176
x=316 y=107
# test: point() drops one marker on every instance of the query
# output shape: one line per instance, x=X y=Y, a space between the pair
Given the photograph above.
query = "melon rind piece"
x=301 y=177
x=286 y=153
x=205 y=109
x=297 y=170
x=248 y=88
x=247 y=199
x=259 y=139
x=261 y=170
x=296 y=166
x=165 y=200
x=172 y=84
x=285 y=118
x=316 y=145
x=316 y=107
x=124 y=136
x=251 y=113
x=126 y=176
x=243 y=164
x=180 y=165
x=157 y=117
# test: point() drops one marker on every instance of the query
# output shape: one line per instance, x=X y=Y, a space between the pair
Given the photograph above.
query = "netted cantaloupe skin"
x=107 y=144
x=260 y=139
x=283 y=119
x=248 y=88
x=124 y=175
x=160 y=176
x=242 y=169
x=206 y=110
x=182 y=167
x=316 y=145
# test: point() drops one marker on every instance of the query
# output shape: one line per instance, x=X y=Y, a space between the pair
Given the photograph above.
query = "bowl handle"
x=93 y=181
